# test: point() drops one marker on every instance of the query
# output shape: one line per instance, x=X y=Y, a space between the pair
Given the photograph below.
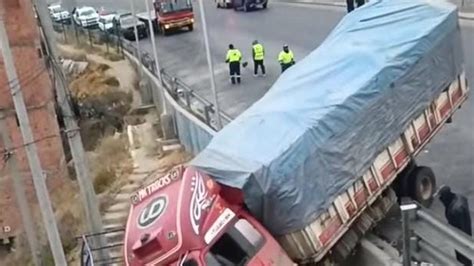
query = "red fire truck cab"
x=185 y=218
x=173 y=14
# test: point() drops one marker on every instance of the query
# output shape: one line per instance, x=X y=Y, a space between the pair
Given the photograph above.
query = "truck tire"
x=265 y=5
x=191 y=27
x=422 y=185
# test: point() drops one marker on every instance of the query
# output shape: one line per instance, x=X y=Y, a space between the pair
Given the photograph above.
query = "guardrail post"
x=90 y=37
x=407 y=211
x=64 y=32
x=207 y=115
x=174 y=85
x=187 y=98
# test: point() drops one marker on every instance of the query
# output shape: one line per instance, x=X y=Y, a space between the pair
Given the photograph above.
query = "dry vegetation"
x=111 y=163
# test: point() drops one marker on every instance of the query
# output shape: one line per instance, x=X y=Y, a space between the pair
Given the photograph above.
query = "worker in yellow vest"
x=234 y=56
x=286 y=58
x=258 y=53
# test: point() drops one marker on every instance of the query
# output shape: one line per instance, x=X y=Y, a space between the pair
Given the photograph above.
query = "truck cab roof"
x=172 y=215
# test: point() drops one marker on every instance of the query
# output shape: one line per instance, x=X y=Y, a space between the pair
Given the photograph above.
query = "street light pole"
x=81 y=165
x=209 y=63
x=155 y=57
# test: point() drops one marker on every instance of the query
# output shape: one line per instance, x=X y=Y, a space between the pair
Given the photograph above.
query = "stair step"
x=119 y=207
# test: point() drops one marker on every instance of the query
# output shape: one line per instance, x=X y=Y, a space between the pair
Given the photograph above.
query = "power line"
x=29 y=143
x=32 y=73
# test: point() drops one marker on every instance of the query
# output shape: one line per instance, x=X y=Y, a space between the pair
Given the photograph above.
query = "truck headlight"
x=192 y=20
x=167 y=26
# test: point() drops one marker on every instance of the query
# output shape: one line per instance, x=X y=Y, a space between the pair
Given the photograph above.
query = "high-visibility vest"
x=285 y=58
x=258 y=52
x=233 y=55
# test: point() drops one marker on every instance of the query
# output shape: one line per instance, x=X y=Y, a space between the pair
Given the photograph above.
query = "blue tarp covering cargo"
x=324 y=121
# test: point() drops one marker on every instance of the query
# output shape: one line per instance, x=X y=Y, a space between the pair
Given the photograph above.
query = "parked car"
x=106 y=20
x=58 y=14
x=126 y=24
x=86 y=17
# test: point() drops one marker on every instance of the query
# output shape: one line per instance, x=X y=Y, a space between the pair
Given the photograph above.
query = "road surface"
x=303 y=27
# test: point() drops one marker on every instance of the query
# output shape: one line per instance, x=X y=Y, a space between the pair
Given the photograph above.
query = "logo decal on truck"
x=152 y=211
x=199 y=201
x=158 y=184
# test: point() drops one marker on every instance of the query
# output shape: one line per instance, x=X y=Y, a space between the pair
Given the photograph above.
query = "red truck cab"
x=183 y=219
x=173 y=14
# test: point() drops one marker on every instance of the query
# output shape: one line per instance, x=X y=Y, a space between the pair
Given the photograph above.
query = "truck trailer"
x=303 y=173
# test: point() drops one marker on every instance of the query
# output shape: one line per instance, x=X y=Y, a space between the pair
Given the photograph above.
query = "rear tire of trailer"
x=422 y=185
x=190 y=27
x=265 y=5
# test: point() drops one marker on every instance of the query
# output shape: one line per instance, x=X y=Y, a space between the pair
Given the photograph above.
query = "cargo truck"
x=308 y=169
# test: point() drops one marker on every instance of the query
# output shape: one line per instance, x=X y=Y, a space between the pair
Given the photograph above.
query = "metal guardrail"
x=200 y=107
x=422 y=231
x=95 y=254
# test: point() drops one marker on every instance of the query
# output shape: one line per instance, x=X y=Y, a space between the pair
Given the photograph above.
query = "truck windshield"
x=170 y=6
x=236 y=246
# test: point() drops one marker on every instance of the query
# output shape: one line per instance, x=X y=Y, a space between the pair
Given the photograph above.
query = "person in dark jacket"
x=457 y=214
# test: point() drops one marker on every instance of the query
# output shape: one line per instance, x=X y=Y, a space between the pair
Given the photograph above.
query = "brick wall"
x=38 y=94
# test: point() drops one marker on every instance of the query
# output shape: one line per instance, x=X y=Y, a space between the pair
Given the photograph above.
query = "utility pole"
x=31 y=152
x=210 y=65
x=155 y=57
x=89 y=198
x=20 y=194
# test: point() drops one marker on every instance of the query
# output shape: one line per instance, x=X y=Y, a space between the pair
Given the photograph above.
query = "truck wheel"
x=265 y=5
x=422 y=185
x=190 y=27
x=246 y=7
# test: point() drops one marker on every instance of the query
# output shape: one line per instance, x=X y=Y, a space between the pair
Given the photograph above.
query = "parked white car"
x=58 y=14
x=106 y=21
x=86 y=17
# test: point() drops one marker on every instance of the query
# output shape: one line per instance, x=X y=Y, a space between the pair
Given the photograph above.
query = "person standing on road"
x=457 y=214
x=350 y=4
x=234 y=56
x=286 y=58
x=258 y=54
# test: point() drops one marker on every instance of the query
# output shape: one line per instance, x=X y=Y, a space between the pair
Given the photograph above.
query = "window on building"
x=236 y=246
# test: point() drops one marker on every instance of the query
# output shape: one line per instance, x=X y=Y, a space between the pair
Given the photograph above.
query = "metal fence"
x=181 y=93
x=427 y=238
x=93 y=254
